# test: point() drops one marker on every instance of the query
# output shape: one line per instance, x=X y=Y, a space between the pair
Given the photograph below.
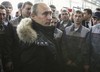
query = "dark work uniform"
x=5 y=44
x=75 y=49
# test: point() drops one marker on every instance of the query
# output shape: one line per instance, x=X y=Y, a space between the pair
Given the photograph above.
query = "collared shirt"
x=81 y=31
x=64 y=23
x=96 y=28
x=89 y=23
x=78 y=29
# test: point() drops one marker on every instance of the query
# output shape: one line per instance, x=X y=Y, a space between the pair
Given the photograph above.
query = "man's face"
x=26 y=11
x=44 y=15
x=78 y=18
x=54 y=21
x=86 y=15
x=9 y=10
x=53 y=10
x=65 y=16
x=2 y=15
x=94 y=19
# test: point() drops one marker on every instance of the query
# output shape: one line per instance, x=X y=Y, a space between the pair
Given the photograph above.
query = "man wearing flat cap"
x=96 y=16
x=95 y=44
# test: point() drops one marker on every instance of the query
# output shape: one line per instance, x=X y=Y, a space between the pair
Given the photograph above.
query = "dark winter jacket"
x=37 y=49
x=6 y=40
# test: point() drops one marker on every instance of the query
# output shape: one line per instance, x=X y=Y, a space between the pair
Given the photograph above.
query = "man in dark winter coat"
x=5 y=41
x=37 y=49
x=74 y=46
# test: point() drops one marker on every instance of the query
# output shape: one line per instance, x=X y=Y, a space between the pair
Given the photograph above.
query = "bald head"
x=38 y=7
x=42 y=14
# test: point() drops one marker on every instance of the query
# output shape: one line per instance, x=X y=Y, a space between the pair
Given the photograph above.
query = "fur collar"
x=25 y=31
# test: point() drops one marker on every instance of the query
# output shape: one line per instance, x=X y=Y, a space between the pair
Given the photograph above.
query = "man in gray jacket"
x=95 y=43
x=25 y=12
x=74 y=46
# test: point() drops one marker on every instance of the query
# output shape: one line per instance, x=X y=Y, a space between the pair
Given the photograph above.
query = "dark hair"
x=2 y=7
x=52 y=6
x=59 y=16
x=98 y=19
x=26 y=3
x=89 y=11
x=98 y=9
x=6 y=4
x=34 y=8
x=79 y=12
x=20 y=5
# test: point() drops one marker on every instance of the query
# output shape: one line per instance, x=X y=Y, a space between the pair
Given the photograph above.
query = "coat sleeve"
x=7 y=51
x=86 y=50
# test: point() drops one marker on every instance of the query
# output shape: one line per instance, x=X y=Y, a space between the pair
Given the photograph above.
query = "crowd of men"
x=39 y=40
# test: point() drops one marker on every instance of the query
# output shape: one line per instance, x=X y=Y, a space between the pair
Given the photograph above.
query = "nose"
x=30 y=11
x=77 y=17
x=1 y=17
x=49 y=17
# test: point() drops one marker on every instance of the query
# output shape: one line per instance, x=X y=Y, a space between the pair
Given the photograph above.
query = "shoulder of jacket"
x=58 y=33
x=25 y=32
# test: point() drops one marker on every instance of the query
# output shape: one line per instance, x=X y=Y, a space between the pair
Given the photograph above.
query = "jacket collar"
x=46 y=30
x=25 y=31
x=78 y=30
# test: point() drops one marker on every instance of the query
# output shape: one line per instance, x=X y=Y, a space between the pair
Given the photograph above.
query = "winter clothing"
x=16 y=21
x=36 y=48
x=6 y=35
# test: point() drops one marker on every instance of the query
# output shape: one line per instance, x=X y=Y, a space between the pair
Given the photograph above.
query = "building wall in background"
x=73 y=4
